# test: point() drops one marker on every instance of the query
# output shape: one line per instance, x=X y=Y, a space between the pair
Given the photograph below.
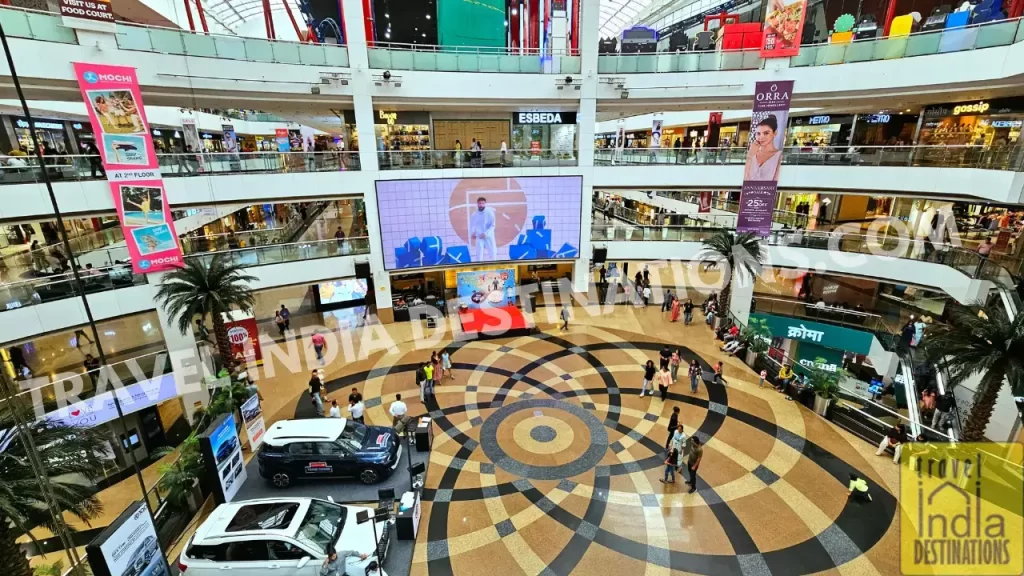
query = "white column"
x=184 y=355
x=739 y=298
x=587 y=123
x=361 y=83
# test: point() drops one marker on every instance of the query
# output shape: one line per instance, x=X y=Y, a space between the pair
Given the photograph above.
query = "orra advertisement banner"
x=768 y=123
x=114 y=102
x=783 y=27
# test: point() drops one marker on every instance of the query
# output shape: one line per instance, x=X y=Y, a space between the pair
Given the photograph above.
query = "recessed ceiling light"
x=515 y=11
x=428 y=16
x=387 y=34
x=424 y=34
x=386 y=15
x=908 y=109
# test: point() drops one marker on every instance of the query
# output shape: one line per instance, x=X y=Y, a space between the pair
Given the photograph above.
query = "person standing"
x=355 y=396
x=679 y=443
x=719 y=368
x=602 y=275
x=695 y=373
x=287 y=315
x=458 y=154
x=279 y=321
x=481 y=231
x=446 y=364
x=421 y=381
x=688 y=312
x=356 y=410
x=335 y=409
x=664 y=357
x=943 y=406
x=437 y=371
x=675 y=310
x=398 y=410
x=92 y=368
x=504 y=151
x=666 y=303
x=673 y=363
x=316 y=387
x=673 y=423
x=649 y=372
x=664 y=381
x=319 y=344
x=670 y=467
x=646 y=294
x=565 y=317
x=696 y=453
x=95 y=161
x=428 y=369
x=339 y=237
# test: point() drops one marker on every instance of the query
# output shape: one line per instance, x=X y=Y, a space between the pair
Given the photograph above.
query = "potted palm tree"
x=988 y=343
x=743 y=255
x=179 y=480
x=72 y=459
x=825 y=384
x=196 y=291
x=757 y=336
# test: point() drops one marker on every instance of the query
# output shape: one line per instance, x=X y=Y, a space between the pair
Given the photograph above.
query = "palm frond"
x=198 y=289
x=743 y=252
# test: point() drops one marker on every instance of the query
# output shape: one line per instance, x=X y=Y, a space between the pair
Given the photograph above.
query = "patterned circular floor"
x=547 y=461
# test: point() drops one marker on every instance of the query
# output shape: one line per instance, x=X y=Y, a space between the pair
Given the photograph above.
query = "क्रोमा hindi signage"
x=826 y=335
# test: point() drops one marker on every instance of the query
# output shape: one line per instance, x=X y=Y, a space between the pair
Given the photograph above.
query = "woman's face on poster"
x=764 y=135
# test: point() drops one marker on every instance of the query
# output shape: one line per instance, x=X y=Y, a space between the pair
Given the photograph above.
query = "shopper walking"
x=675 y=310
x=565 y=317
x=287 y=315
x=673 y=364
x=279 y=321
x=666 y=303
x=664 y=381
x=436 y=373
x=316 y=388
x=428 y=369
x=695 y=373
x=688 y=312
x=95 y=162
x=446 y=364
x=421 y=381
x=673 y=423
x=670 y=467
x=719 y=368
x=647 y=294
x=696 y=454
x=649 y=372
x=319 y=344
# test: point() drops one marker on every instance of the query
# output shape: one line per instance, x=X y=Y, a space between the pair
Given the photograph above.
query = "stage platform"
x=498 y=322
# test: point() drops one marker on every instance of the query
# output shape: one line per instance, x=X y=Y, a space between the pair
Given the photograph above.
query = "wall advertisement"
x=487 y=288
x=243 y=335
x=101 y=408
x=281 y=137
x=128 y=547
x=768 y=123
x=656 y=127
x=783 y=28
x=114 y=102
x=190 y=132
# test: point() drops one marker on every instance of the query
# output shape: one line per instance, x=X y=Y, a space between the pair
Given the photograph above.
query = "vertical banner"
x=231 y=146
x=243 y=335
x=704 y=205
x=711 y=138
x=281 y=136
x=193 y=145
x=783 y=27
x=656 y=134
x=252 y=416
x=114 y=103
x=768 y=123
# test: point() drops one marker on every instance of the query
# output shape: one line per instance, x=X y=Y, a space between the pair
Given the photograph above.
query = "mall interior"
x=543 y=257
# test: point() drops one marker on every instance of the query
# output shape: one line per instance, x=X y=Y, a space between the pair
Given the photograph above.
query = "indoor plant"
x=825 y=384
x=179 y=480
x=757 y=336
x=842 y=32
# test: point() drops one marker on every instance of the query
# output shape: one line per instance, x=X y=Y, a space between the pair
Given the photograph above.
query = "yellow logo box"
x=963 y=509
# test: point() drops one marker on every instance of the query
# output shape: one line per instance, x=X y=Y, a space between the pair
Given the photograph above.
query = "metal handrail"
x=231 y=36
x=487 y=50
x=65 y=277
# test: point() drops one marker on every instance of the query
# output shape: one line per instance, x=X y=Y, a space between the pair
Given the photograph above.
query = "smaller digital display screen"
x=342 y=291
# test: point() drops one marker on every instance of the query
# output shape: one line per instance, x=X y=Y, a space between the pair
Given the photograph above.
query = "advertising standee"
x=114 y=104
x=128 y=547
x=255 y=427
x=222 y=457
x=768 y=123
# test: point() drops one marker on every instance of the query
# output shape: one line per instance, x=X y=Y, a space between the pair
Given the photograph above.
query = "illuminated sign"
x=38 y=124
x=877 y=119
x=816 y=120
x=979 y=108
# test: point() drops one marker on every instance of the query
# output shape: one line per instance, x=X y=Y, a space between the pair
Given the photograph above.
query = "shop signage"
x=822 y=120
x=815 y=120
x=826 y=335
x=95 y=10
x=387 y=117
x=40 y=124
x=877 y=118
x=768 y=122
x=544 y=118
x=1007 y=123
x=114 y=102
x=996 y=106
x=100 y=409
x=979 y=108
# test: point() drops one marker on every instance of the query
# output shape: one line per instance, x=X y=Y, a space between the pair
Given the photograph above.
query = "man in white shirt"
x=356 y=410
x=481 y=231
x=335 y=409
x=398 y=410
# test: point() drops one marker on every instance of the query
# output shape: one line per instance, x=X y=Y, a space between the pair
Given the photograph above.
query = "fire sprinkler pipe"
x=202 y=16
x=890 y=13
x=291 y=17
x=188 y=12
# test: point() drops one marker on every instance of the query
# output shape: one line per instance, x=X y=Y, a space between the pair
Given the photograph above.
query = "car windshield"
x=275 y=516
x=355 y=432
x=322 y=522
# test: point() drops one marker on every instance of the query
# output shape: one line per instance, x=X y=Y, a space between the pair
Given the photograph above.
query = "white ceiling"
x=617 y=15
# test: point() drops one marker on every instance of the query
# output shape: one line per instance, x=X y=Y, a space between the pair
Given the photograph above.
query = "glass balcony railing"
x=437 y=159
x=68 y=167
x=966 y=261
x=858 y=319
x=606 y=211
x=973 y=37
x=995 y=157
x=39 y=290
x=185 y=43
x=36 y=25
x=278 y=253
x=394 y=56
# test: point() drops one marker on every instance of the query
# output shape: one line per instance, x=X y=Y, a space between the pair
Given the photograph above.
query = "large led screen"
x=453 y=221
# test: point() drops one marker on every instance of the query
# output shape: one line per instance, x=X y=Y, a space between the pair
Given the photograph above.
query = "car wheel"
x=369 y=476
x=281 y=480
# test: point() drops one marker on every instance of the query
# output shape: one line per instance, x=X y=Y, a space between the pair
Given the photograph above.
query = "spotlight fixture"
x=386 y=15
x=387 y=35
x=424 y=34
x=515 y=11
x=428 y=16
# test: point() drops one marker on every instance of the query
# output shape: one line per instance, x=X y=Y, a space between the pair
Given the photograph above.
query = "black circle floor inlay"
x=543 y=433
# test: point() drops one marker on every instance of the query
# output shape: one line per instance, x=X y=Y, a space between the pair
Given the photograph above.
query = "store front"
x=885 y=129
x=52 y=134
x=212 y=142
x=820 y=130
x=395 y=130
x=977 y=123
x=544 y=131
x=82 y=133
x=167 y=140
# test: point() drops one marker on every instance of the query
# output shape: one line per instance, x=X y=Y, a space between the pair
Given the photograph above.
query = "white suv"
x=285 y=537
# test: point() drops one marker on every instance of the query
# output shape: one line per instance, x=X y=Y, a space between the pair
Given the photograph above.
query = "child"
x=670 y=467
x=858 y=489
x=764 y=376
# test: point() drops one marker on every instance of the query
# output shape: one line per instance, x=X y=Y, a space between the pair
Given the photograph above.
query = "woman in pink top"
x=664 y=381
x=319 y=345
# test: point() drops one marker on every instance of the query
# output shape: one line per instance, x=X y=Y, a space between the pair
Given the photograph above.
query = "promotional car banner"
x=128 y=547
x=114 y=102
x=768 y=123
x=255 y=427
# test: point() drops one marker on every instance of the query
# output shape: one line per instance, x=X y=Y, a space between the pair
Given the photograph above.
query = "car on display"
x=327 y=448
x=142 y=557
x=281 y=536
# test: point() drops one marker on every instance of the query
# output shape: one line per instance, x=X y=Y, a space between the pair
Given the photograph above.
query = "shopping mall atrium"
x=511 y=287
